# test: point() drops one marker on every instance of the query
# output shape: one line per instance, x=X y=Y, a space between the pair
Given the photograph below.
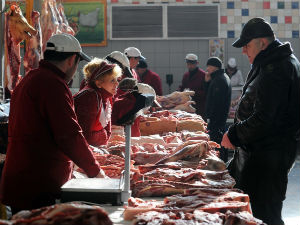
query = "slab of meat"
x=172 y=165
x=157 y=127
x=154 y=139
x=146 y=188
x=189 y=151
x=198 y=135
x=187 y=107
x=167 y=181
x=67 y=213
x=33 y=52
x=176 y=98
x=142 y=158
x=241 y=218
x=112 y=165
x=212 y=200
x=196 y=218
x=193 y=176
x=191 y=125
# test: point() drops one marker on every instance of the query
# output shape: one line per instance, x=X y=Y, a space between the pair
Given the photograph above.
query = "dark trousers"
x=269 y=213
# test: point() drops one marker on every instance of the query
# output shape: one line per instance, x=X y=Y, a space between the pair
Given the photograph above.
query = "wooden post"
x=2 y=26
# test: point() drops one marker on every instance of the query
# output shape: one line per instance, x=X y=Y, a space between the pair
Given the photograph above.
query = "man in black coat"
x=218 y=100
x=266 y=126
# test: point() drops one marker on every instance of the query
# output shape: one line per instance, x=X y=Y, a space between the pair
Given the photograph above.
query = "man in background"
x=149 y=77
x=193 y=79
x=217 y=101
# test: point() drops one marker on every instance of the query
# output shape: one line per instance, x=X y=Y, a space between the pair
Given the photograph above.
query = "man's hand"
x=101 y=174
x=207 y=77
x=226 y=142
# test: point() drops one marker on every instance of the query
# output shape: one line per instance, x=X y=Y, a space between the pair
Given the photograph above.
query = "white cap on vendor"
x=133 y=52
x=192 y=58
x=232 y=62
x=147 y=89
x=66 y=43
x=120 y=57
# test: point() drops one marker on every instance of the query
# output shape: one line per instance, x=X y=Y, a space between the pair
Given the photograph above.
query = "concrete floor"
x=291 y=205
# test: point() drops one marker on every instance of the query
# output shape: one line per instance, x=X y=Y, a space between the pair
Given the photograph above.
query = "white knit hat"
x=232 y=62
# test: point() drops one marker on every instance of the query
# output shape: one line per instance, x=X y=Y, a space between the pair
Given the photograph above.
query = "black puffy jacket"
x=267 y=124
x=218 y=100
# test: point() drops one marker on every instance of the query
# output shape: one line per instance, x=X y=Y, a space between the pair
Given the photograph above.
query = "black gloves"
x=128 y=84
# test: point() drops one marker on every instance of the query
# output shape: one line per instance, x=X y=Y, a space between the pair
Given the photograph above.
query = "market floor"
x=291 y=205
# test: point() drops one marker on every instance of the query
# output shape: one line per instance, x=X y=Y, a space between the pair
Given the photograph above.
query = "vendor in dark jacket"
x=217 y=101
x=266 y=126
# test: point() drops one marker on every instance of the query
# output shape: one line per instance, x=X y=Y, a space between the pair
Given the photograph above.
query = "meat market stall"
x=176 y=176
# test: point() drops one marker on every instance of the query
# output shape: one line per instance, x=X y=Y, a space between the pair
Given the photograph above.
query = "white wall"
x=167 y=56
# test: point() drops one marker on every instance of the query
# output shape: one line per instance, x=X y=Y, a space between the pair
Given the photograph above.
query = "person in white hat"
x=134 y=55
x=237 y=82
x=44 y=134
x=193 y=79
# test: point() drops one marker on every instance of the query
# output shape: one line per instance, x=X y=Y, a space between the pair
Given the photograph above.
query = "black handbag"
x=237 y=165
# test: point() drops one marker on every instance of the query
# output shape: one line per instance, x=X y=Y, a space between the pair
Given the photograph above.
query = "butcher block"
x=157 y=127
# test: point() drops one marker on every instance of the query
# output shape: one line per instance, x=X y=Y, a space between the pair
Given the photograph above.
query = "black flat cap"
x=214 y=61
x=254 y=28
x=142 y=64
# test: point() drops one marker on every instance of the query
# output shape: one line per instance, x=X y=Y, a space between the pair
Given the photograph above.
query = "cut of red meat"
x=66 y=213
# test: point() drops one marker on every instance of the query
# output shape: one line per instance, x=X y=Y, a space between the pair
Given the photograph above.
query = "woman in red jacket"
x=93 y=104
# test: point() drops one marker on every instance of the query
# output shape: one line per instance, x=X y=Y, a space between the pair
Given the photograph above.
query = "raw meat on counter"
x=212 y=200
x=67 y=213
x=178 y=100
x=166 y=181
x=16 y=30
x=162 y=122
x=112 y=165
x=198 y=217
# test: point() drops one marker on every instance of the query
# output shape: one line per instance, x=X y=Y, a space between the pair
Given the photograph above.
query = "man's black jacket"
x=267 y=124
x=218 y=99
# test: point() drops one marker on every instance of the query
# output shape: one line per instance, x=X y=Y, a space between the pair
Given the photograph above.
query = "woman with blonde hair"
x=93 y=104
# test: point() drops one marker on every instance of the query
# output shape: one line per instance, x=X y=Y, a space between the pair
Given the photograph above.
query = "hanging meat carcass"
x=33 y=52
x=66 y=28
x=17 y=29
x=49 y=22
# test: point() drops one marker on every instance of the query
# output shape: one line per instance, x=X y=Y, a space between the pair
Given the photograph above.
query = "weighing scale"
x=101 y=190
